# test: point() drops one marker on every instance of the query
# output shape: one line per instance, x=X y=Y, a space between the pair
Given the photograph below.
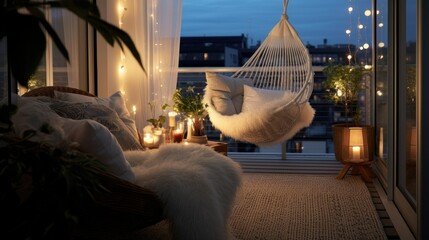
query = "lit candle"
x=172 y=119
x=148 y=140
x=356 y=153
x=177 y=135
x=189 y=134
x=134 y=109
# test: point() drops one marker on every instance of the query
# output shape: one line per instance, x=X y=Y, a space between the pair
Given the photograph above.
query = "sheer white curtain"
x=160 y=21
x=154 y=26
x=70 y=28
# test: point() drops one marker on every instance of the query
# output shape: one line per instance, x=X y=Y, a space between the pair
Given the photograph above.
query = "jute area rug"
x=286 y=206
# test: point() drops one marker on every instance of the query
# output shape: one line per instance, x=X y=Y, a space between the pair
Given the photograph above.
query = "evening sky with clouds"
x=314 y=20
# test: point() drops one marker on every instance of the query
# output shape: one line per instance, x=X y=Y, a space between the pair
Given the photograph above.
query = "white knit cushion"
x=226 y=92
x=116 y=102
x=102 y=114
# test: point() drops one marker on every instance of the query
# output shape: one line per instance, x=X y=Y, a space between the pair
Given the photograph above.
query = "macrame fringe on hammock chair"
x=266 y=101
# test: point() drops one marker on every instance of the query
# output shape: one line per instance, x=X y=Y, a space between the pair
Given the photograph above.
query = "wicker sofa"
x=191 y=186
x=122 y=206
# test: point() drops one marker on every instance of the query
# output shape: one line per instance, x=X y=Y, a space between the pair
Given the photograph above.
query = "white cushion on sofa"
x=116 y=102
x=34 y=114
x=95 y=139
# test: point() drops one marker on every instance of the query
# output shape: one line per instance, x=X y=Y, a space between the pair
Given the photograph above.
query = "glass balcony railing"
x=309 y=143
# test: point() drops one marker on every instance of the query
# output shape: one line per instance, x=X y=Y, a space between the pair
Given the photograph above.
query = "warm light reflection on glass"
x=367 y=13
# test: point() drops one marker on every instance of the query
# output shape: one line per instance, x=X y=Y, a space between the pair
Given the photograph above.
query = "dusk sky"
x=314 y=20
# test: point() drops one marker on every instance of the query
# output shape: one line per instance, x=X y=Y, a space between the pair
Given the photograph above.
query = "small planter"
x=342 y=144
x=198 y=139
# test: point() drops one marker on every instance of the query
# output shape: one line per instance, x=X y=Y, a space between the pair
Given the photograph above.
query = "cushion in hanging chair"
x=268 y=116
x=227 y=92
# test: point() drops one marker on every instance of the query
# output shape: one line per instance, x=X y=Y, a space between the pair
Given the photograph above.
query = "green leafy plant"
x=23 y=24
x=156 y=122
x=189 y=103
x=343 y=86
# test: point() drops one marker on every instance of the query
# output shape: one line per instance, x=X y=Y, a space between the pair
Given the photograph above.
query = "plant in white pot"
x=353 y=141
x=189 y=104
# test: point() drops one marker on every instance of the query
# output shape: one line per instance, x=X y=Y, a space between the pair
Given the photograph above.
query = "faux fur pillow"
x=226 y=92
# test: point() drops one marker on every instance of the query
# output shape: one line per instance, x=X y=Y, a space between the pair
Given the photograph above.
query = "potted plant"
x=157 y=123
x=189 y=104
x=353 y=141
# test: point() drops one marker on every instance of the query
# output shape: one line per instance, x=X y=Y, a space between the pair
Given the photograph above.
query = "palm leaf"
x=36 y=12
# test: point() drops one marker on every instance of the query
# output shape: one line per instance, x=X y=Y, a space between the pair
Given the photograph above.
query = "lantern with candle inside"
x=356 y=146
x=347 y=136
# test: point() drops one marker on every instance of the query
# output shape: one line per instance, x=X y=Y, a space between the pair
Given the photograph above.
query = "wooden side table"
x=362 y=168
x=220 y=147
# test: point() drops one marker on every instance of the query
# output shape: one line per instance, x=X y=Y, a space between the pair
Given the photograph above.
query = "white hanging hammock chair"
x=276 y=82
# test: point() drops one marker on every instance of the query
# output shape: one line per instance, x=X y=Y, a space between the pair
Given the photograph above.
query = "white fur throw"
x=267 y=124
x=196 y=184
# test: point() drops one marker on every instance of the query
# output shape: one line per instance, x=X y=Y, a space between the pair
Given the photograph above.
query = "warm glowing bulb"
x=380 y=24
x=120 y=8
x=348 y=31
x=360 y=26
x=122 y=69
x=339 y=93
x=367 y=67
x=134 y=109
x=367 y=13
x=349 y=57
x=350 y=9
x=381 y=57
x=379 y=93
x=366 y=46
x=378 y=12
x=360 y=48
x=381 y=44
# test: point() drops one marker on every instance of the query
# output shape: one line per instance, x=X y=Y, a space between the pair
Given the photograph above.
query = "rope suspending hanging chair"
x=276 y=81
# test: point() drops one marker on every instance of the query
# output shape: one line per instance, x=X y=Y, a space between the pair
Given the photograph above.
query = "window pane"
x=407 y=142
x=408 y=179
x=381 y=82
x=59 y=63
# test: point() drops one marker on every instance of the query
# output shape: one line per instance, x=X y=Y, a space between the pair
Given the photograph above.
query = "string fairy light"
x=360 y=33
x=122 y=9
x=158 y=74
